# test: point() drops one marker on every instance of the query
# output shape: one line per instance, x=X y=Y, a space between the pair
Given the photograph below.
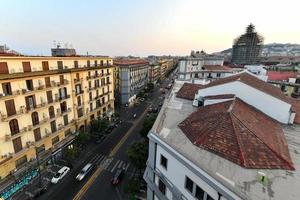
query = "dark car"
x=99 y=139
x=155 y=110
x=160 y=104
x=117 y=176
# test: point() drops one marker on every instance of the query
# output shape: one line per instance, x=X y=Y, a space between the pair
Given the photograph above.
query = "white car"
x=85 y=170
x=60 y=174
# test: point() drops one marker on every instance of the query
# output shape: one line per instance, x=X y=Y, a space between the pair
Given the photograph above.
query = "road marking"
x=88 y=183
x=120 y=164
x=85 y=187
x=107 y=163
x=127 y=167
x=115 y=166
x=102 y=161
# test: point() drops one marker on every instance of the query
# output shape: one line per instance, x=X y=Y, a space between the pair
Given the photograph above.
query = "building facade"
x=247 y=48
x=44 y=101
x=201 y=65
x=133 y=77
x=154 y=72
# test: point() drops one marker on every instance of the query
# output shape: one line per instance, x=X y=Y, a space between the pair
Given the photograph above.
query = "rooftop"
x=216 y=68
x=128 y=62
x=188 y=91
x=281 y=75
x=281 y=184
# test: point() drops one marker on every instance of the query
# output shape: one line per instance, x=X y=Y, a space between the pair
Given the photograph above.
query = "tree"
x=137 y=152
x=69 y=154
x=147 y=125
x=132 y=187
x=150 y=86
x=81 y=139
x=98 y=127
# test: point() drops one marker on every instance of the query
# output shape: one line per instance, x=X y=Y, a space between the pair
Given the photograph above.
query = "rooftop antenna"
x=54 y=43
x=58 y=45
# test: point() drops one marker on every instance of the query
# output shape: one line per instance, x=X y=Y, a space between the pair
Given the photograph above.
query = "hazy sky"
x=143 y=27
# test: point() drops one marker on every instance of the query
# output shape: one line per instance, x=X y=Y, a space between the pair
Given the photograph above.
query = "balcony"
x=62 y=98
x=9 y=137
x=78 y=93
x=5 y=118
x=78 y=80
x=60 y=127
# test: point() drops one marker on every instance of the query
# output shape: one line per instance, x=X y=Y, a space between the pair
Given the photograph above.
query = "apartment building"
x=217 y=142
x=166 y=65
x=200 y=65
x=133 y=77
x=44 y=101
x=154 y=72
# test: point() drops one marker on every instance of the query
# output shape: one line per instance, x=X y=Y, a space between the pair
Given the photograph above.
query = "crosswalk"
x=111 y=164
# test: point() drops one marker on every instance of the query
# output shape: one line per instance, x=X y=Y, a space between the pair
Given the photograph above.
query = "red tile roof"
x=188 y=91
x=240 y=133
x=280 y=76
x=126 y=62
x=216 y=68
x=220 y=96
x=260 y=85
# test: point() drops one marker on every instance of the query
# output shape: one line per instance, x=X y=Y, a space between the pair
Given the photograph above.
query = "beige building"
x=44 y=101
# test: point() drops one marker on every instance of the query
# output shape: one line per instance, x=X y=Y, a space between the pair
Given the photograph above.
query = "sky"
x=143 y=27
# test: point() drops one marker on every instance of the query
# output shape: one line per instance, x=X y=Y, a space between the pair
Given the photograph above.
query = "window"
x=88 y=63
x=79 y=101
x=91 y=96
x=80 y=112
x=162 y=187
x=66 y=120
x=53 y=126
x=61 y=79
x=91 y=106
x=199 y=193
x=35 y=118
x=37 y=134
x=49 y=96
x=51 y=112
x=47 y=81
x=96 y=62
x=55 y=140
x=14 y=126
x=77 y=76
x=75 y=64
x=189 y=184
x=63 y=107
x=62 y=93
x=90 y=84
x=6 y=88
x=3 y=68
x=29 y=85
x=89 y=74
x=218 y=74
x=209 y=197
x=17 y=144
x=60 y=64
x=67 y=133
x=26 y=66
x=98 y=103
x=163 y=161
x=30 y=102
x=78 y=88
x=45 y=65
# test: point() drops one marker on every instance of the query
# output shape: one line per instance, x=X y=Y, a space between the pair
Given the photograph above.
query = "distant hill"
x=274 y=49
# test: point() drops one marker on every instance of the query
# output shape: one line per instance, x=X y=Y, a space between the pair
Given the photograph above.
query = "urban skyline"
x=141 y=28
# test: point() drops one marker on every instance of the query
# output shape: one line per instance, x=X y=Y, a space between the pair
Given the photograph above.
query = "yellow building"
x=44 y=101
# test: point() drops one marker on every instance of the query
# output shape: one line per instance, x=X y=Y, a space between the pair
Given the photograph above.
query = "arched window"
x=35 y=118
x=51 y=112
x=14 y=126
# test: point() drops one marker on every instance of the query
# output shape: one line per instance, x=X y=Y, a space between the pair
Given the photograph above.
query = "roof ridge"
x=242 y=158
x=271 y=149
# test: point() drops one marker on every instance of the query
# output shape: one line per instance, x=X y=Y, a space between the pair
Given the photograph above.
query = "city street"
x=108 y=156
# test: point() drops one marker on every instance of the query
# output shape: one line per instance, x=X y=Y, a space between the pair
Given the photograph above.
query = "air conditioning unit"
x=29 y=127
x=47 y=132
x=58 y=110
x=29 y=143
x=13 y=71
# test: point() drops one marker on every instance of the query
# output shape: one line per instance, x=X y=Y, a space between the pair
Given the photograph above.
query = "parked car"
x=85 y=170
x=99 y=139
x=118 y=176
x=155 y=110
x=160 y=104
x=60 y=174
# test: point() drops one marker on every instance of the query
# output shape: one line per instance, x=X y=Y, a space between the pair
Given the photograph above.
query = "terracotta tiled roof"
x=126 y=62
x=188 y=91
x=280 y=76
x=216 y=68
x=221 y=96
x=240 y=133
